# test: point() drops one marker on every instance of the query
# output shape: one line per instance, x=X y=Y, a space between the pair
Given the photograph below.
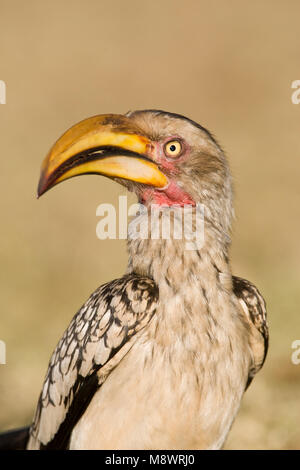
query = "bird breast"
x=180 y=384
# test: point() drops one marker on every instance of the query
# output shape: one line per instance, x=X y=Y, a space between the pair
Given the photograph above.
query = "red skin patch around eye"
x=172 y=194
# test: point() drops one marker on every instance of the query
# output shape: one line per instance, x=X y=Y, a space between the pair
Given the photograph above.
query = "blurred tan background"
x=227 y=64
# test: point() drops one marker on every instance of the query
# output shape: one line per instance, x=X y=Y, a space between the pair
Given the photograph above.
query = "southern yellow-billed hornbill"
x=160 y=358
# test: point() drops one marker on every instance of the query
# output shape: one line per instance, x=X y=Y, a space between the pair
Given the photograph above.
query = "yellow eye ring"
x=173 y=148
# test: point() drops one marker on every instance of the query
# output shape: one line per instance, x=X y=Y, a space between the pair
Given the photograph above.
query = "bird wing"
x=97 y=339
x=254 y=309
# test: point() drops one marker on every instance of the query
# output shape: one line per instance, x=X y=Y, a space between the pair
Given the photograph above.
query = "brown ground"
x=227 y=64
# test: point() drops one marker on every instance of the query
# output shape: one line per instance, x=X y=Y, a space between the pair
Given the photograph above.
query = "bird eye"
x=173 y=148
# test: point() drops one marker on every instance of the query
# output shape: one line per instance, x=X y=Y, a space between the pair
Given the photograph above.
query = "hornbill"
x=160 y=358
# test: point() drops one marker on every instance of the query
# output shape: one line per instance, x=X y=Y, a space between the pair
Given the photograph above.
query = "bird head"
x=165 y=158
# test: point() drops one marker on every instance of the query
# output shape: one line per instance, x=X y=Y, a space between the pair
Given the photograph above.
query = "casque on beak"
x=109 y=145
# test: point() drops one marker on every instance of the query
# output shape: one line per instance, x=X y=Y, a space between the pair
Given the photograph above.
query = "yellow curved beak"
x=109 y=145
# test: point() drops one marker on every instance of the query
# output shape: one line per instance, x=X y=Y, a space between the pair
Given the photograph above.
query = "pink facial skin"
x=172 y=194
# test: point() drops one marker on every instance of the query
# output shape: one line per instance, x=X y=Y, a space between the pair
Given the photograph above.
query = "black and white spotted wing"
x=254 y=307
x=101 y=332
